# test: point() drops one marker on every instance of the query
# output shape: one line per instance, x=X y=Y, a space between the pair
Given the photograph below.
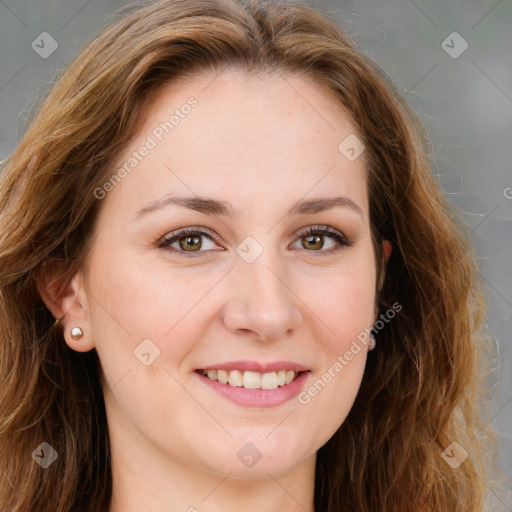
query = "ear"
x=67 y=302
x=386 y=247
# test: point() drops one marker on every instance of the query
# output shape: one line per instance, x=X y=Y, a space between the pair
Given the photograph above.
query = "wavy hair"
x=422 y=387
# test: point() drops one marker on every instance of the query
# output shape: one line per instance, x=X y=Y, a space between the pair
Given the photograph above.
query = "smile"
x=251 y=379
x=250 y=388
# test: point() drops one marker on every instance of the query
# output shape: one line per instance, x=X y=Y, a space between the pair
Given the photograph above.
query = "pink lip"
x=254 y=366
x=257 y=397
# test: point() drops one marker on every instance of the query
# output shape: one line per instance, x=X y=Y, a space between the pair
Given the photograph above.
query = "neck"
x=144 y=478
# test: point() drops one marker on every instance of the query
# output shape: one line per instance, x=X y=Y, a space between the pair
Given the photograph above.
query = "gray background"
x=465 y=102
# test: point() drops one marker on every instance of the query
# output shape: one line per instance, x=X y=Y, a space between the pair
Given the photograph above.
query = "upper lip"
x=255 y=366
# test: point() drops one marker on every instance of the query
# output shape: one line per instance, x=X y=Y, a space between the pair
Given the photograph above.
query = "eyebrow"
x=224 y=208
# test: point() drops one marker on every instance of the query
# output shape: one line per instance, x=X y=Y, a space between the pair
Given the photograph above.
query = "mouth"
x=251 y=379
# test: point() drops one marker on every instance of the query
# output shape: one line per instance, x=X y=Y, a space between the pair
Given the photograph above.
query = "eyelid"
x=323 y=229
x=192 y=230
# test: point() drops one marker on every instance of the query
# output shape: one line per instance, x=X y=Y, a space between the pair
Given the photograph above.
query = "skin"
x=262 y=143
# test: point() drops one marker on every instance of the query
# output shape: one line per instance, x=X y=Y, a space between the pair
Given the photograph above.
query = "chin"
x=253 y=459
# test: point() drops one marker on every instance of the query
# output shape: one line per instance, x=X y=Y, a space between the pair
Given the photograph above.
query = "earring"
x=372 y=343
x=76 y=333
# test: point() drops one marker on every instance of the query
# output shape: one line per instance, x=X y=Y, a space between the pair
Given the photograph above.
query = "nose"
x=262 y=303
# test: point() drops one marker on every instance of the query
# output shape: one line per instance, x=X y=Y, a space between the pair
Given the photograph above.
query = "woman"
x=229 y=280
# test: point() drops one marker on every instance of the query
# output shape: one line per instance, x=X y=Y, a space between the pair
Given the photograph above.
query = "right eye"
x=188 y=240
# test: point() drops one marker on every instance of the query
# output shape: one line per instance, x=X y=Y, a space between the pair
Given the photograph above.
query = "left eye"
x=190 y=241
x=313 y=239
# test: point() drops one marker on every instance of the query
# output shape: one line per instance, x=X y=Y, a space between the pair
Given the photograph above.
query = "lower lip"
x=257 y=397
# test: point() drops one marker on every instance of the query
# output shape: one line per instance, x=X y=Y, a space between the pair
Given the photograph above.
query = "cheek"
x=142 y=300
x=345 y=305
x=140 y=316
x=330 y=394
x=135 y=302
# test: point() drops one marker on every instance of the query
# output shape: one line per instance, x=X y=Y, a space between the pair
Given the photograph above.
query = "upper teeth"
x=252 y=380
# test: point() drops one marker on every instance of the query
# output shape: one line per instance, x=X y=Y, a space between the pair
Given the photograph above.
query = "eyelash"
x=167 y=240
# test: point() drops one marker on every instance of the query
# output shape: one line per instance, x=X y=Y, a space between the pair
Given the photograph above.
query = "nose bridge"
x=265 y=284
x=262 y=301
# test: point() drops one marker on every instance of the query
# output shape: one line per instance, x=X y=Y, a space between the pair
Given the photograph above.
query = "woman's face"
x=248 y=166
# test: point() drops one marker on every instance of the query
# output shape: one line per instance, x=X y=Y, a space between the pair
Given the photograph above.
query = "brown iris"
x=190 y=242
x=314 y=242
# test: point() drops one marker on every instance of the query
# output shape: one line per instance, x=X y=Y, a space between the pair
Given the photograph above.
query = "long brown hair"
x=419 y=392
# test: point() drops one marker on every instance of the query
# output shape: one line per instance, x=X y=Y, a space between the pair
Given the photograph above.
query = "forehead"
x=246 y=138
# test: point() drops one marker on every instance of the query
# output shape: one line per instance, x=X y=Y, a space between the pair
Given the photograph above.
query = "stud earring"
x=372 y=343
x=76 y=333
